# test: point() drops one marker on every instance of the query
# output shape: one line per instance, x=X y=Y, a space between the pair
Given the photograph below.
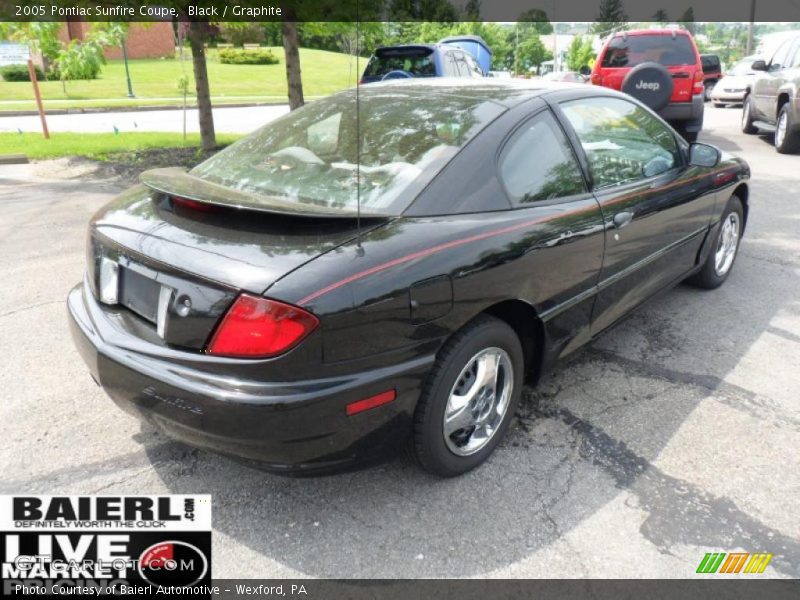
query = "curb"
x=13 y=159
x=112 y=109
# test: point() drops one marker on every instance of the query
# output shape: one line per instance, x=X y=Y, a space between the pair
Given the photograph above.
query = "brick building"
x=152 y=40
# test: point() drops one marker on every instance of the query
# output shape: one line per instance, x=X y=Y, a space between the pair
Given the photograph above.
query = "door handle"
x=622 y=219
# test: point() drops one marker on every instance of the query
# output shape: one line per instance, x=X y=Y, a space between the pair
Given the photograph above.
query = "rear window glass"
x=417 y=63
x=710 y=62
x=316 y=156
x=637 y=49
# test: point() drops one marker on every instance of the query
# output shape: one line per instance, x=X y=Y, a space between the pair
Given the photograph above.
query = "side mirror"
x=585 y=71
x=703 y=155
x=759 y=65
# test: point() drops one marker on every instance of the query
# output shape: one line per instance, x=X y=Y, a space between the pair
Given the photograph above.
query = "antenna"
x=359 y=249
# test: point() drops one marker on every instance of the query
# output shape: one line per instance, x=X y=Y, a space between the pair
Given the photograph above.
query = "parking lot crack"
x=729 y=394
x=680 y=512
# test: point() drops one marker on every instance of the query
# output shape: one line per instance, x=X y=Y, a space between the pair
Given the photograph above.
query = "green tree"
x=472 y=10
x=535 y=19
x=611 y=18
x=531 y=53
x=41 y=37
x=72 y=60
x=580 y=53
x=687 y=20
x=661 y=16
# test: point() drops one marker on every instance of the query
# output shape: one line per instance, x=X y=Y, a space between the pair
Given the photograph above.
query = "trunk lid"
x=162 y=254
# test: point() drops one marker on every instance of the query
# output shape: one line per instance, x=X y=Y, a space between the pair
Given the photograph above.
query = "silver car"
x=732 y=87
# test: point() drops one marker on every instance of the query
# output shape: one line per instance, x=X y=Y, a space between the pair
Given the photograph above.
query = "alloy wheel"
x=478 y=401
x=780 y=130
x=727 y=244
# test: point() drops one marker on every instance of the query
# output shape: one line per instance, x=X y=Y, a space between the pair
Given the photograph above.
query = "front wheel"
x=720 y=260
x=470 y=398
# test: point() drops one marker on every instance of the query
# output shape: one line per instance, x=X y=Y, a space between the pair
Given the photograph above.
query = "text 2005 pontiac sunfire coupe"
x=240 y=307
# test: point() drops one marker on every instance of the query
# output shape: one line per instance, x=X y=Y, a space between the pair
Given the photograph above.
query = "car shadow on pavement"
x=587 y=435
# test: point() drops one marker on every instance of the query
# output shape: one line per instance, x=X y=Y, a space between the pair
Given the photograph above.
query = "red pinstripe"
x=474 y=238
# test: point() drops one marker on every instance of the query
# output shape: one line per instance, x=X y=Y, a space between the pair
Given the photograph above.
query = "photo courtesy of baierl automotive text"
x=378 y=299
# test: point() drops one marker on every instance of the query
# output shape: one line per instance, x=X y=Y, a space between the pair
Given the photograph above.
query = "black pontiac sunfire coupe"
x=368 y=274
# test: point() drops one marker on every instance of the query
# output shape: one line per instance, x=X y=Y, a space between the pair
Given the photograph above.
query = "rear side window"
x=634 y=50
x=538 y=163
x=416 y=62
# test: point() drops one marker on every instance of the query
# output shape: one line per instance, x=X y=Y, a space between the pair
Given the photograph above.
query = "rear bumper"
x=689 y=112
x=290 y=427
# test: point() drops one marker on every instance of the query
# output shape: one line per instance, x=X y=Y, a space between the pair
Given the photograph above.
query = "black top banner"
x=217 y=11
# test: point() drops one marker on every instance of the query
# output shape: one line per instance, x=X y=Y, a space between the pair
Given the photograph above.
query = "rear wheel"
x=470 y=398
x=787 y=139
x=720 y=260
x=747 y=117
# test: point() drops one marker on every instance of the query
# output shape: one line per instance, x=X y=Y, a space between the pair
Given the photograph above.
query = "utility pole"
x=750 y=27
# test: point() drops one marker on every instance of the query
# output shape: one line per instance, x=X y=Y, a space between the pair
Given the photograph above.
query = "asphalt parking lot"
x=673 y=435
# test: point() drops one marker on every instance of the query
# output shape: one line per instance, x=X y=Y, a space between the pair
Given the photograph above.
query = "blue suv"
x=452 y=57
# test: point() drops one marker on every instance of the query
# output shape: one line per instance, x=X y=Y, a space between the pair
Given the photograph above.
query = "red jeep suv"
x=659 y=67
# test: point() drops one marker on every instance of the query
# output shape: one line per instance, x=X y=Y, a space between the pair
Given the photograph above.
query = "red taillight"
x=372 y=402
x=193 y=204
x=259 y=327
x=698 y=82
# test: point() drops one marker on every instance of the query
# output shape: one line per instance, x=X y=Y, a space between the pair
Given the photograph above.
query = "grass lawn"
x=96 y=145
x=155 y=82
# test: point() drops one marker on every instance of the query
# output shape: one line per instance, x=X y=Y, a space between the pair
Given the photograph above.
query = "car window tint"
x=322 y=154
x=538 y=163
x=474 y=69
x=710 y=62
x=636 y=49
x=779 y=59
x=622 y=141
x=461 y=65
x=794 y=63
x=417 y=65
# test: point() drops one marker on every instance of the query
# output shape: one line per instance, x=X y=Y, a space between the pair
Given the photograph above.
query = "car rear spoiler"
x=176 y=182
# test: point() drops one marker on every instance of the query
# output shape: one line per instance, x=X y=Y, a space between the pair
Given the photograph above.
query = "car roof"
x=664 y=31
x=506 y=92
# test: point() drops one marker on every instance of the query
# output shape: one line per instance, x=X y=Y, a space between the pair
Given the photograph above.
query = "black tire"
x=708 y=278
x=719 y=105
x=708 y=87
x=791 y=140
x=747 y=117
x=689 y=136
x=428 y=439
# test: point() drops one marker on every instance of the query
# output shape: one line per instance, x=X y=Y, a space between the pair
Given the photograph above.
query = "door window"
x=538 y=163
x=623 y=142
